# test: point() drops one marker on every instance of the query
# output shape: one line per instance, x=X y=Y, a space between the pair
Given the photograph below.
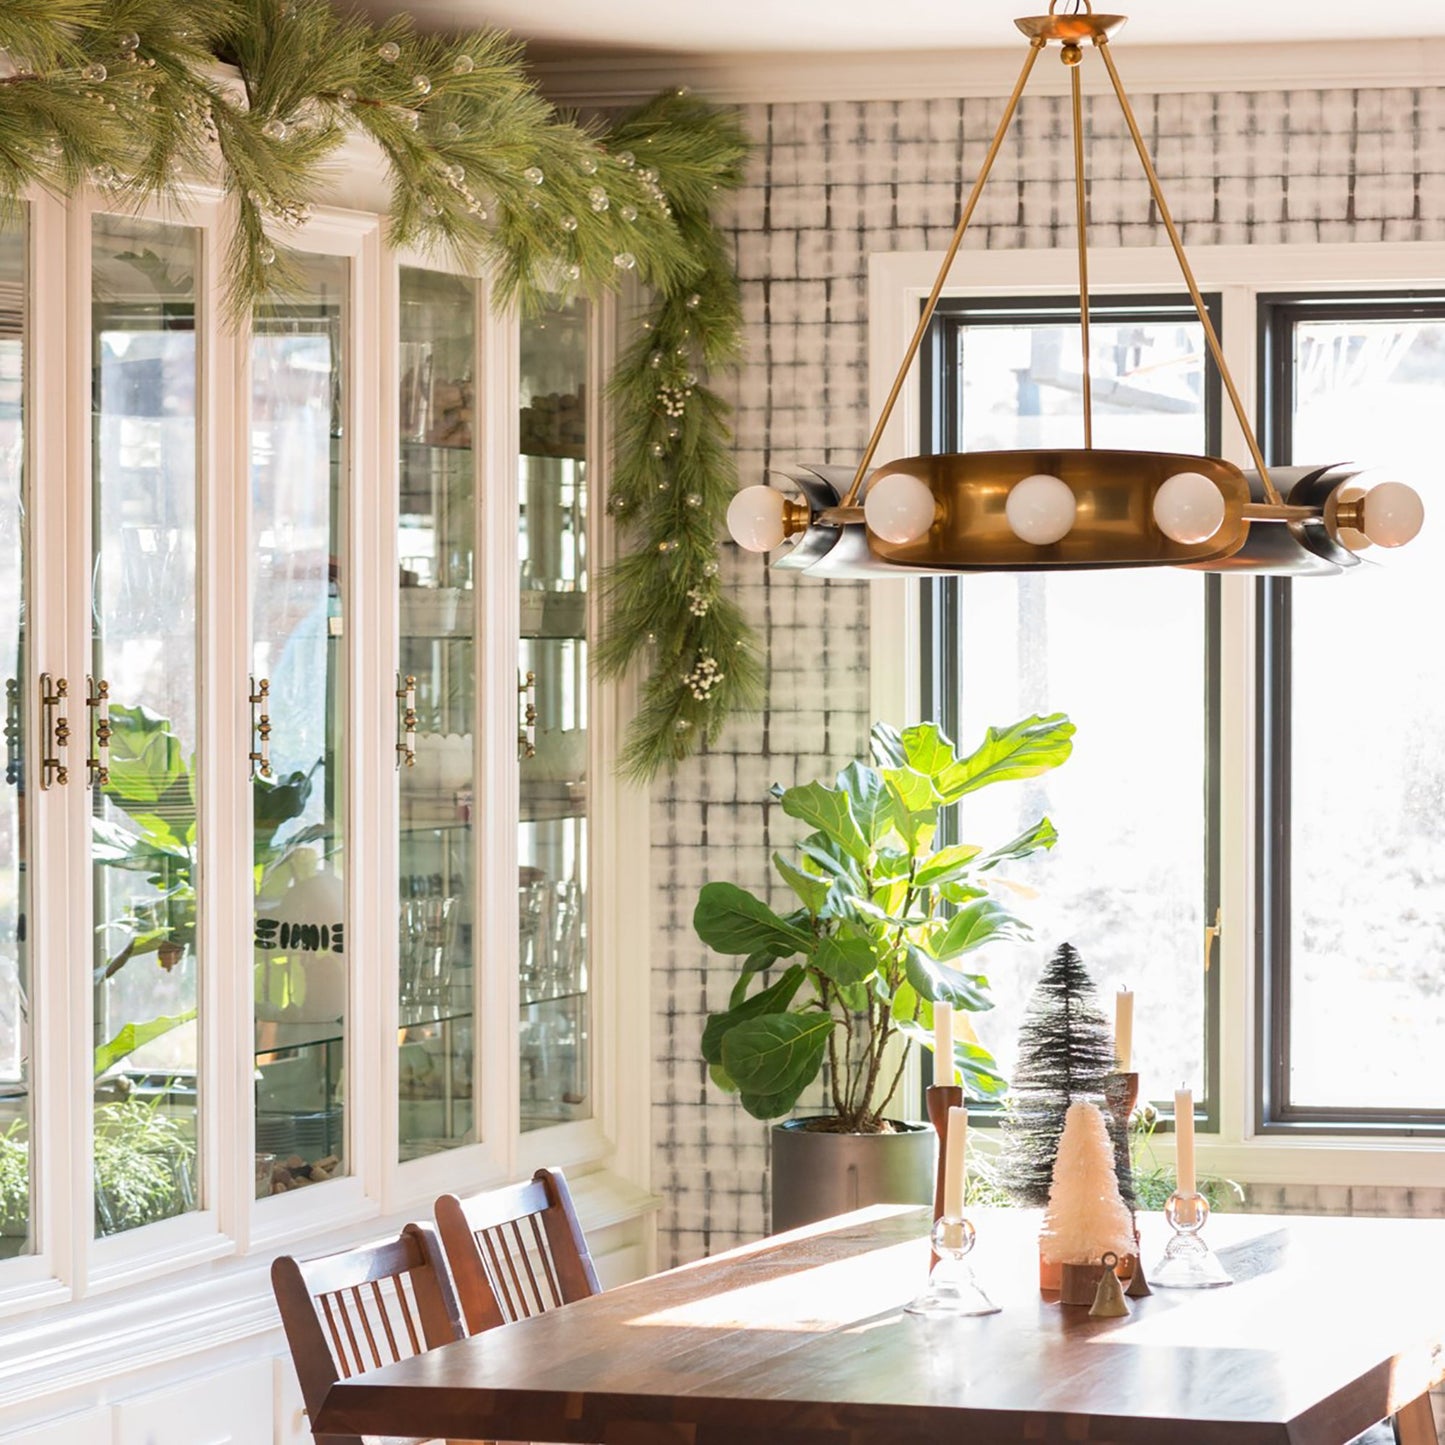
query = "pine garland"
x=133 y=96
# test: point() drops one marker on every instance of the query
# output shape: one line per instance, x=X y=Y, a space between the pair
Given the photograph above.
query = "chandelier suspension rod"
x=1072 y=57
x=999 y=135
x=1271 y=492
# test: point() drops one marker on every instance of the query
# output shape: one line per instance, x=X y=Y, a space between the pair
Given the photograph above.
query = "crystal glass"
x=553 y=747
x=145 y=846
x=436 y=542
x=300 y=581
x=952 y=1289
x=1188 y=1261
x=15 y=1211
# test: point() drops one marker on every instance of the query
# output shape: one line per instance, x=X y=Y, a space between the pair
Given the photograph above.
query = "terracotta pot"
x=1079 y=1283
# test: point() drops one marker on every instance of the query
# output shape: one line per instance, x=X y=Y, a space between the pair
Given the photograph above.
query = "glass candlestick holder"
x=952 y=1289
x=1188 y=1262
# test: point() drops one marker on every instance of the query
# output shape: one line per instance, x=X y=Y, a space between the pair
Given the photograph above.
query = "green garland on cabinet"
x=135 y=97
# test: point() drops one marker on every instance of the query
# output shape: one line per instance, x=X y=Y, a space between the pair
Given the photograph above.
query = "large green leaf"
x=773 y=999
x=146 y=758
x=971 y=927
x=933 y=981
x=927 y=751
x=869 y=800
x=915 y=810
x=946 y=865
x=1023 y=750
x=730 y=920
x=886 y=744
x=1043 y=834
x=844 y=960
x=115 y=845
x=812 y=890
x=830 y=812
x=136 y=1036
x=778 y=1054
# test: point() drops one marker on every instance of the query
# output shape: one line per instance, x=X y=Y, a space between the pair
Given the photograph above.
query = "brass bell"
x=1109 y=1302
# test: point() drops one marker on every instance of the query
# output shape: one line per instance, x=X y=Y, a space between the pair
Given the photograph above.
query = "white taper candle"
x=1124 y=1029
x=1184 y=1139
x=943 y=1043
x=955 y=1165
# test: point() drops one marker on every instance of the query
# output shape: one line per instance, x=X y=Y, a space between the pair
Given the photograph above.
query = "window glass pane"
x=438 y=657
x=552 y=841
x=15 y=1233
x=1123 y=653
x=1367 y=848
x=145 y=847
x=298 y=659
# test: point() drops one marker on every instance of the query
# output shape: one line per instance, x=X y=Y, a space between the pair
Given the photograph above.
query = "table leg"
x=1415 y=1424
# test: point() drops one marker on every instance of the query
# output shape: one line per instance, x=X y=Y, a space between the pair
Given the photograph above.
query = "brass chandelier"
x=1088 y=507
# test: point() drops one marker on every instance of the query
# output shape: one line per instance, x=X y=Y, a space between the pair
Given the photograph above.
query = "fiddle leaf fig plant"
x=883 y=926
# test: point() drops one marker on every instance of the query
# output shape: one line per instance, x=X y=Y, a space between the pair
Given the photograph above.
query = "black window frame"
x=1274 y=1112
x=940 y=431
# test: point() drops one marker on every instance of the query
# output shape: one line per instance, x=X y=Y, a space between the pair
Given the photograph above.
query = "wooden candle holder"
x=941 y=1098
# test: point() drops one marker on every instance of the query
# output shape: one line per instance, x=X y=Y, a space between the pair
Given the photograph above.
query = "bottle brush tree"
x=1086 y=1217
x=1066 y=1052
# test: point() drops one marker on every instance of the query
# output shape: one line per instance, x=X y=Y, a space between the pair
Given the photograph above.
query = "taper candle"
x=1184 y=1140
x=943 y=1043
x=955 y=1155
x=1124 y=1029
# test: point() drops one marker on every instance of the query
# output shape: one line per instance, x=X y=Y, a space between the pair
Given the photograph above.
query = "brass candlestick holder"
x=1188 y=1262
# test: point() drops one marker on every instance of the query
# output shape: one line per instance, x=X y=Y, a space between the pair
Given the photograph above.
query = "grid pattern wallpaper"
x=832 y=183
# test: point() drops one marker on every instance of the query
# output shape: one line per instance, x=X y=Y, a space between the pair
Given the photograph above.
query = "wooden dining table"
x=802 y=1339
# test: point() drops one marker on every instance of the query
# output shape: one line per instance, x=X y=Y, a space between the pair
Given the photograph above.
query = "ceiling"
x=564 y=27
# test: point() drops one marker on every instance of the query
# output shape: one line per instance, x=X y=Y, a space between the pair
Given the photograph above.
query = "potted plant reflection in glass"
x=882 y=926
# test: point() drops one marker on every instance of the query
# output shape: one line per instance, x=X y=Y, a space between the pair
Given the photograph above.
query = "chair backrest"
x=515 y=1252
x=355 y=1311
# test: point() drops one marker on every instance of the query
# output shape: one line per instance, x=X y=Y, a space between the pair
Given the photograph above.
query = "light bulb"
x=898 y=508
x=1189 y=508
x=755 y=518
x=1040 y=509
x=1394 y=514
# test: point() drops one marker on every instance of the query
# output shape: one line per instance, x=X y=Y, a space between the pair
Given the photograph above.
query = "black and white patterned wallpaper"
x=831 y=184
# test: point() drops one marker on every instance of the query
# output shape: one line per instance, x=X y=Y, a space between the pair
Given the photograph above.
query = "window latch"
x=1211 y=933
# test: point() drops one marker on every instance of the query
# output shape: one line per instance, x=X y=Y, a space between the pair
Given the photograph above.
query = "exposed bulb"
x=1040 y=509
x=1189 y=508
x=755 y=519
x=1394 y=514
x=898 y=508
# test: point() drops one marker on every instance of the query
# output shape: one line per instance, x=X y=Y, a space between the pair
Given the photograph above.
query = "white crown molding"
x=604 y=81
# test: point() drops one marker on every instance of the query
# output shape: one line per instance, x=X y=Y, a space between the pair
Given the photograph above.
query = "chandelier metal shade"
x=1071 y=508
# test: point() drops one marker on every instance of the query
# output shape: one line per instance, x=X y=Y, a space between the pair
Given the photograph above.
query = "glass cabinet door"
x=299 y=700
x=15 y=1208
x=552 y=846
x=436 y=711
x=143 y=693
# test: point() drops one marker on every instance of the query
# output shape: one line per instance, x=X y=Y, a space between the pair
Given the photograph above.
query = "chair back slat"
x=356 y=1311
x=516 y=1252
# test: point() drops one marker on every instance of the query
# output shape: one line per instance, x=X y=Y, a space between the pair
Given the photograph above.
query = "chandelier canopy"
x=1072 y=508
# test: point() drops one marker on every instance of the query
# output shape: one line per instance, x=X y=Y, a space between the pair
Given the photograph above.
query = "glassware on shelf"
x=428 y=929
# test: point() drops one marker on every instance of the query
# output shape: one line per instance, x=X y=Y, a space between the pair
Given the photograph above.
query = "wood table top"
x=801 y=1339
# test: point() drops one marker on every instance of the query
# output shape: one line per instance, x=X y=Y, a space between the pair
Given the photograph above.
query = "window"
x=1131 y=658
x=1352 y=864
x=1325 y=690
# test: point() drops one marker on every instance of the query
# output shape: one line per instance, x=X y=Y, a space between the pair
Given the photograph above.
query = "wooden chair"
x=515 y=1252
x=355 y=1311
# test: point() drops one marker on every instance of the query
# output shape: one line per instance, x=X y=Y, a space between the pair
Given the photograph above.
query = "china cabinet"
x=308 y=836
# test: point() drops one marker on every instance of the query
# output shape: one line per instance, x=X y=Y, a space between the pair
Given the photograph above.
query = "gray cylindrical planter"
x=817 y=1175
